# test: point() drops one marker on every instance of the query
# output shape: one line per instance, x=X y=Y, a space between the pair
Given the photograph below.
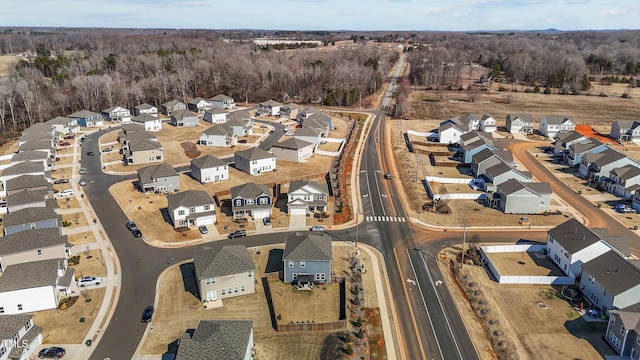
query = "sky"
x=390 y=15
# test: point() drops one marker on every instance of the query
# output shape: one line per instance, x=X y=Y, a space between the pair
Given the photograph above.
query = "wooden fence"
x=331 y=325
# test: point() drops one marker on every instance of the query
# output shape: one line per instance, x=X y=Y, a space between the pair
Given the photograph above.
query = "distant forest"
x=93 y=69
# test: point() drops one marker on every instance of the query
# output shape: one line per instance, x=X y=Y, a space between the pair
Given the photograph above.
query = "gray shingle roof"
x=26 y=182
x=30 y=215
x=613 y=272
x=240 y=115
x=215 y=261
x=271 y=103
x=573 y=236
x=30 y=275
x=195 y=101
x=182 y=114
x=36 y=145
x=557 y=119
x=25 y=167
x=189 y=198
x=40 y=128
x=292 y=144
x=254 y=153
x=172 y=103
x=217 y=110
x=249 y=191
x=29 y=155
x=607 y=157
x=586 y=145
x=627 y=172
x=478 y=116
x=31 y=240
x=569 y=136
x=217 y=129
x=11 y=324
x=27 y=197
x=513 y=185
x=216 y=339
x=144 y=118
x=139 y=135
x=498 y=169
x=148 y=173
x=221 y=97
x=143 y=144
x=37 y=135
x=309 y=131
x=307 y=247
x=525 y=117
x=59 y=120
x=144 y=106
x=299 y=184
x=83 y=114
x=207 y=161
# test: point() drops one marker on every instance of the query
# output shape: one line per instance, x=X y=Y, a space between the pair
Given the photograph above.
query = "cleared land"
x=523 y=263
x=6 y=61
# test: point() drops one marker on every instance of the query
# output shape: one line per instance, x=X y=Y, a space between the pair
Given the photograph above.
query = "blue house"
x=87 y=118
x=307 y=257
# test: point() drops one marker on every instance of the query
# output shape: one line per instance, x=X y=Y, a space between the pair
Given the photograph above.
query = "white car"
x=66 y=192
x=89 y=280
x=317 y=228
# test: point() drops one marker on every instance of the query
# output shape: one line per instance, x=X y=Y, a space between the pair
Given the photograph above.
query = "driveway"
x=298 y=222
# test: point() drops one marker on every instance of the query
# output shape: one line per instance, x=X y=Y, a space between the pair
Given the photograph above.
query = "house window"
x=39 y=251
x=223 y=292
x=19 y=306
x=235 y=289
x=320 y=276
x=249 y=273
x=622 y=330
x=180 y=212
x=302 y=264
x=192 y=209
x=207 y=207
x=638 y=339
x=229 y=291
x=207 y=178
x=1 y=309
x=249 y=201
x=239 y=202
x=294 y=276
x=211 y=281
x=290 y=264
x=264 y=201
x=27 y=326
x=242 y=288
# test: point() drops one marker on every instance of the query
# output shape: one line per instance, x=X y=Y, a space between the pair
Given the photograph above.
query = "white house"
x=64 y=125
x=145 y=109
x=254 y=161
x=216 y=115
x=550 y=125
x=449 y=133
x=191 y=208
x=270 y=107
x=150 y=122
x=209 y=168
x=117 y=113
x=223 y=101
x=306 y=195
x=311 y=135
x=218 y=135
x=199 y=105
x=482 y=122
x=20 y=337
x=293 y=149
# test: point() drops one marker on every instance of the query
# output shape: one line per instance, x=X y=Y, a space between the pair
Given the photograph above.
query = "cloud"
x=612 y=12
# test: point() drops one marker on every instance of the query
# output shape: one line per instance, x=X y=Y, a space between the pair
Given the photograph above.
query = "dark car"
x=90 y=153
x=271 y=131
x=242 y=141
x=65 y=143
x=266 y=221
x=147 y=314
x=51 y=353
x=238 y=234
x=81 y=139
x=131 y=225
x=203 y=229
x=61 y=181
x=136 y=233
x=388 y=176
x=69 y=137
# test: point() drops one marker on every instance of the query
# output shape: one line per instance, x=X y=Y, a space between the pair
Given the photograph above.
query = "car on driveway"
x=266 y=221
x=89 y=280
x=317 y=228
x=203 y=229
x=69 y=137
x=106 y=150
x=90 y=153
x=238 y=234
x=136 y=233
x=131 y=225
x=82 y=182
x=83 y=171
x=65 y=143
x=242 y=141
x=61 y=181
x=66 y=192
x=51 y=353
x=147 y=314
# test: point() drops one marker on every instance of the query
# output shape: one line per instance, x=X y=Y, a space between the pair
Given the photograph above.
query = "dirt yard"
x=6 y=61
x=179 y=310
x=81 y=238
x=527 y=320
x=91 y=264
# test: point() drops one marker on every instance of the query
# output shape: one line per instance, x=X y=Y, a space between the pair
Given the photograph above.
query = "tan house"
x=33 y=245
x=144 y=151
x=224 y=272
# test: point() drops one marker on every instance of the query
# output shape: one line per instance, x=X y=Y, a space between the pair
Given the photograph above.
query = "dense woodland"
x=94 y=69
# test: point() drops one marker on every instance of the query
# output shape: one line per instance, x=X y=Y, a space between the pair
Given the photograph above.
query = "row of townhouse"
x=139 y=146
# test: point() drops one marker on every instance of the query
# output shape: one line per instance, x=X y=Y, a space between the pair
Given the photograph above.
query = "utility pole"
x=464 y=241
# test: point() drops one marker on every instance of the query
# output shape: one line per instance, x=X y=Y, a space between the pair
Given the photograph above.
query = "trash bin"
x=635 y=227
x=88 y=342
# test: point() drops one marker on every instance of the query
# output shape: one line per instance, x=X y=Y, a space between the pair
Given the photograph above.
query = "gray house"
x=254 y=161
x=610 y=282
x=473 y=142
x=626 y=130
x=161 y=177
x=578 y=149
x=33 y=245
x=487 y=158
x=519 y=123
x=27 y=183
x=174 y=105
x=218 y=339
x=623 y=331
x=33 y=155
x=27 y=199
x=251 y=199
x=517 y=197
x=224 y=272
x=184 y=118
x=564 y=140
x=625 y=181
x=223 y=101
x=30 y=218
x=307 y=258
x=499 y=173
x=306 y=195
x=595 y=167
x=24 y=168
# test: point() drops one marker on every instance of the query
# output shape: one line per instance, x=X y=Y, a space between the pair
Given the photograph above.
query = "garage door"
x=298 y=211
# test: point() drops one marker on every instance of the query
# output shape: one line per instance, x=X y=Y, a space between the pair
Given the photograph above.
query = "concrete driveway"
x=298 y=222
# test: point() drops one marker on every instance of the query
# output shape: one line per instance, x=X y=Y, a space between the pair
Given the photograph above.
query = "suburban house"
x=64 y=125
x=174 y=105
x=224 y=271
x=208 y=169
x=145 y=109
x=32 y=155
x=450 y=133
x=19 y=337
x=595 y=167
x=239 y=127
x=30 y=218
x=218 y=339
x=34 y=286
x=626 y=130
x=269 y=107
x=254 y=161
x=24 y=168
x=117 y=113
x=33 y=245
x=87 y=118
x=148 y=122
x=161 y=177
x=199 y=105
x=38 y=145
x=184 y=118
x=571 y=244
x=610 y=282
x=487 y=158
x=293 y=149
x=635 y=203
x=251 y=199
x=223 y=101
x=517 y=197
x=216 y=115
x=550 y=125
x=519 y=124
x=306 y=195
x=27 y=183
x=623 y=331
x=564 y=140
x=304 y=113
x=218 y=135
x=191 y=208
x=484 y=122
x=625 y=181
x=578 y=149
x=309 y=135
x=36 y=133
x=289 y=111
x=26 y=199
x=128 y=135
x=501 y=172
x=143 y=151
x=320 y=121
x=473 y=142
x=307 y=258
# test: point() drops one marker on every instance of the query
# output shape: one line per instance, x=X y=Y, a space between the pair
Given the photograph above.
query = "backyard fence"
x=331 y=153
x=419 y=133
x=331 y=325
x=447 y=180
x=273 y=276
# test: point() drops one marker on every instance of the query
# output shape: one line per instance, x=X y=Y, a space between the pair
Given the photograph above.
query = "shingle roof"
x=213 y=261
x=39 y=128
x=189 y=198
x=478 y=116
x=619 y=243
x=139 y=135
x=607 y=157
x=498 y=169
x=513 y=185
x=217 y=129
x=613 y=272
x=29 y=155
x=217 y=110
x=148 y=173
x=309 y=131
x=307 y=247
x=26 y=182
x=221 y=97
x=144 y=106
x=172 y=103
x=143 y=144
x=254 y=153
x=11 y=324
x=113 y=108
x=557 y=119
x=249 y=191
x=299 y=184
x=27 y=197
x=627 y=172
x=207 y=161
x=30 y=240
x=25 y=167
x=271 y=103
x=569 y=136
x=182 y=114
x=293 y=144
x=37 y=135
x=195 y=101
x=131 y=128
x=58 y=120
x=216 y=339
x=586 y=145
x=83 y=114
x=573 y=236
x=144 y=117
x=36 y=145
x=30 y=275
x=525 y=117
x=29 y=215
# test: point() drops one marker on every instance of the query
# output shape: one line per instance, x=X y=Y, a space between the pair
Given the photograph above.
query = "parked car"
x=65 y=143
x=272 y=131
x=242 y=141
x=317 y=228
x=131 y=225
x=147 y=314
x=69 y=137
x=52 y=353
x=263 y=126
x=82 y=182
x=61 y=181
x=89 y=280
x=83 y=171
x=136 y=233
x=106 y=150
x=266 y=221
x=90 y=153
x=388 y=176
x=203 y=229
x=82 y=139
x=238 y=234
x=66 y=192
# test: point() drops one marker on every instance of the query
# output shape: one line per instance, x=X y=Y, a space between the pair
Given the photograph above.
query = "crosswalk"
x=386 y=218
